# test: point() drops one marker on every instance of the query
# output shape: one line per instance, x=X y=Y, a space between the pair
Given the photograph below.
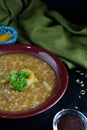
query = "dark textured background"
x=74 y=10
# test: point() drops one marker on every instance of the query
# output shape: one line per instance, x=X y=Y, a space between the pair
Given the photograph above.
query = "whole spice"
x=70 y=122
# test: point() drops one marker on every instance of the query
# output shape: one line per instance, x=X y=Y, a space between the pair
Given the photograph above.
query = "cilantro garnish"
x=17 y=79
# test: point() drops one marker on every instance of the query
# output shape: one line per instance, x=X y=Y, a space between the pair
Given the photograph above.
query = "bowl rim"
x=61 y=73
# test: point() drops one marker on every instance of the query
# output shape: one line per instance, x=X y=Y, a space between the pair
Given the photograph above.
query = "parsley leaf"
x=17 y=79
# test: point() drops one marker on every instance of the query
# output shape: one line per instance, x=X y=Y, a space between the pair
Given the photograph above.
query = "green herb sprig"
x=17 y=80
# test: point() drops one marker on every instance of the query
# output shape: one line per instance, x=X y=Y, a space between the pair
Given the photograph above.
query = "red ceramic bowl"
x=54 y=62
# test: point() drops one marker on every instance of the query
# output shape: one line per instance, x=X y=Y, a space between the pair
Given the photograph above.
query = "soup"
x=40 y=84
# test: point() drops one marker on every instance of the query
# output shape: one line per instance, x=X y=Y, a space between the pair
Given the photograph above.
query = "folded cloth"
x=46 y=28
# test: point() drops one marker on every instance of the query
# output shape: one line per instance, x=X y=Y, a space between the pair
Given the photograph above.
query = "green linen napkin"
x=46 y=28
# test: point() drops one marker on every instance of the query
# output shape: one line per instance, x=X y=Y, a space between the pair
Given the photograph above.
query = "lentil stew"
x=36 y=93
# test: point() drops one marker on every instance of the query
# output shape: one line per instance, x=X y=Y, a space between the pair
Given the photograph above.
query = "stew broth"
x=34 y=95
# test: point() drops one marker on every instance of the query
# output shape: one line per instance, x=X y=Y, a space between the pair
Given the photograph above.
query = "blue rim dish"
x=9 y=30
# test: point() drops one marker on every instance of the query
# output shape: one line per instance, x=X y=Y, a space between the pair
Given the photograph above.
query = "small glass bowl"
x=9 y=31
x=69 y=112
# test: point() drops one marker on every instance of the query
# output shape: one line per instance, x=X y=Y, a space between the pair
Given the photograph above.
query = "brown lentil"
x=31 y=97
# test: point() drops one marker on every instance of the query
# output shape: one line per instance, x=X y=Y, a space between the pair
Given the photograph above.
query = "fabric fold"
x=48 y=29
